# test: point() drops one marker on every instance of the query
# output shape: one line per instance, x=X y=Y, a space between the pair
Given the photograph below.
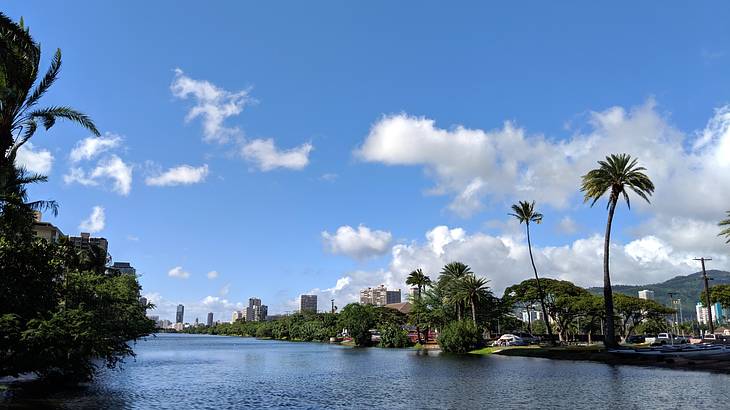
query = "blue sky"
x=388 y=116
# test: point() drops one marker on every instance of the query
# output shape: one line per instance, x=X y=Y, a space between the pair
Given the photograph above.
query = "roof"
x=404 y=307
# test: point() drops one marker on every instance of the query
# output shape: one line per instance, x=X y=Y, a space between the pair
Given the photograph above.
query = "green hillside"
x=689 y=288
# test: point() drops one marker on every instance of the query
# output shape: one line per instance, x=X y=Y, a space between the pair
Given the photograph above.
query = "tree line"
x=61 y=308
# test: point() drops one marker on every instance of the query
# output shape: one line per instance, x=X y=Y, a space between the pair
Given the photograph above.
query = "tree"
x=451 y=275
x=725 y=223
x=632 y=311
x=358 y=320
x=719 y=294
x=473 y=290
x=590 y=308
x=421 y=281
x=418 y=279
x=525 y=213
x=459 y=336
x=20 y=93
x=616 y=175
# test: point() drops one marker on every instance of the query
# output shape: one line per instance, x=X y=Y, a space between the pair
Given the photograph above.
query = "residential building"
x=646 y=294
x=256 y=312
x=535 y=314
x=209 y=322
x=45 y=230
x=85 y=241
x=178 y=326
x=237 y=315
x=180 y=314
x=308 y=303
x=377 y=296
x=164 y=324
x=124 y=267
x=392 y=296
x=717 y=313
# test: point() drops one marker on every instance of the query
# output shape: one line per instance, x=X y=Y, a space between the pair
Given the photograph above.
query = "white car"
x=509 y=339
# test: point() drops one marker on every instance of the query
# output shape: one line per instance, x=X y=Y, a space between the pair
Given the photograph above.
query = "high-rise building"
x=392 y=296
x=646 y=294
x=180 y=314
x=85 y=241
x=45 y=230
x=533 y=315
x=379 y=296
x=237 y=315
x=209 y=322
x=308 y=303
x=717 y=313
x=256 y=312
x=123 y=267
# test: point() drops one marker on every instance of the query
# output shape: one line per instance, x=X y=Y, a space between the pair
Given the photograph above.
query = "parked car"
x=635 y=339
x=509 y=339
x=528 y=338
x=668 y=338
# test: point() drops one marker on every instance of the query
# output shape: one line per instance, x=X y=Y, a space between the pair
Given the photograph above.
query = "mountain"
x=689 y=288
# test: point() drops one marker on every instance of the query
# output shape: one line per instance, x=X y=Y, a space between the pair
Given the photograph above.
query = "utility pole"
x=333 y=305
x=674 y=303
x=707 y=294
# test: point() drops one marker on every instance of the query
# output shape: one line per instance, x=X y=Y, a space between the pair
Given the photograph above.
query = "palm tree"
x=20 y=92
x=525 y=213
x=725 y=232
x=616 y=175
x=451 y=275
x=419 y=279
x=473 y=290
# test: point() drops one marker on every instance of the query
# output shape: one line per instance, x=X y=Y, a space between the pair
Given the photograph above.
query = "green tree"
x=725 y=223
x=451 y=276
x=719 y=294
x=473 y=290
x=420 y=280
x=358 y=320
x=392 y=335
x=617 y=175
x=525 y=213
x=633 y=311
x=20 y=93
x=459 y=336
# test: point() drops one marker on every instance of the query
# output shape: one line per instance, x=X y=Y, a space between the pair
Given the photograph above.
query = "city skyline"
x=326 y=164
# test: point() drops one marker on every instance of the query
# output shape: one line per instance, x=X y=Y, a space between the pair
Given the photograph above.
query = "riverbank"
x=598 y=353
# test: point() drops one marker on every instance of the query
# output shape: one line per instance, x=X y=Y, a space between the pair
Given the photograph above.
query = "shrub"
x=393 y=336
x=459 y=337
x=264 y=331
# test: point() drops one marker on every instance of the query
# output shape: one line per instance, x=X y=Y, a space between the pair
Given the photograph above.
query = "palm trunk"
x=474 y=312
x=529 y=319
x=610 y=336
x=539 y=288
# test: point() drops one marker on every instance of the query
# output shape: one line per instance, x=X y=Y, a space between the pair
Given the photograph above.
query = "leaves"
x=616 y=174
x=725 y=232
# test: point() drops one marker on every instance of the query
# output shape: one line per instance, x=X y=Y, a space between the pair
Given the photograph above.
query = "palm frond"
x=49 y=115
x=46 y=82
x=725 y=232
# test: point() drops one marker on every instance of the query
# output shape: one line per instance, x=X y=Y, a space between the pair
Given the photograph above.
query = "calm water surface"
x=216 y=372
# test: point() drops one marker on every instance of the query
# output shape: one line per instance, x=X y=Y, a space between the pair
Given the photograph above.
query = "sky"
x=273 y=149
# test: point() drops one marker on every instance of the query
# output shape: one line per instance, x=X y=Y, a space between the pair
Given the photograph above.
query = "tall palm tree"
x=473 y=290
x=20 y=92
x=418 y=279
x=725 y=232
x=616 y=176
x=525 y=213
x=451 y=275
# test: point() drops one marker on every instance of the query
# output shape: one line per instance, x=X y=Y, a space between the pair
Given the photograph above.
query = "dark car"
x=635 y=339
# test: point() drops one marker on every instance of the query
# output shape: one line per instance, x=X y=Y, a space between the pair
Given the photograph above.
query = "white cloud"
x=180 y=175
x=504 y=260
x=266 y=156
x=473 y=165
x=95 y=222
x=357 y=243
x=110 y=171
x=225 y=289
x=212 y=274
x=38 y=160
x=212 y=104
x=91 y=147
x=178 y=272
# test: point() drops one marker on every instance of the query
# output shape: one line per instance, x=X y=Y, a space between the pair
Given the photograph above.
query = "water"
x=216 y=372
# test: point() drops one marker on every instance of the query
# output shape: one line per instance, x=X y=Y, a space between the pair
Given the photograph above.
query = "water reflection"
x=185 y=371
